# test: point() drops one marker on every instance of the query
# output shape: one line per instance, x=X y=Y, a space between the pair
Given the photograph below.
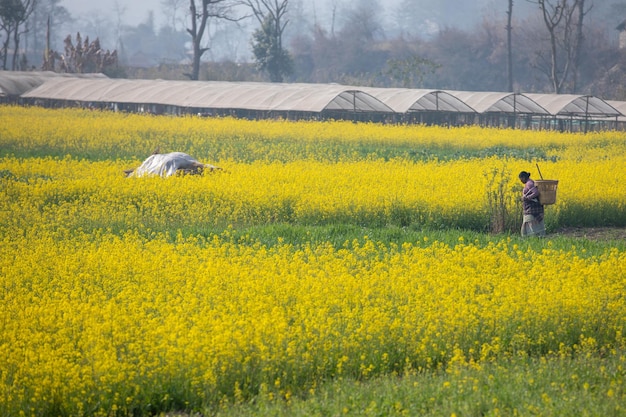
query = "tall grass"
x=580 y=385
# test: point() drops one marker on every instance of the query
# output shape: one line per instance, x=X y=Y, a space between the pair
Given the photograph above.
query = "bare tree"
x=119 y=10
x=578 y=42
x=201 y=11
x=334 y=6
x=363 y=21
x=564 y=21
x=509 y=45
x=171 y=7
x=46 y=22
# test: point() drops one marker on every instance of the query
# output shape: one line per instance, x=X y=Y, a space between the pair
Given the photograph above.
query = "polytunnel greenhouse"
x=257 y=100
x=424 y=106
x=620 y=106
x=251 y=100
x=15 y=83
x=576 y=112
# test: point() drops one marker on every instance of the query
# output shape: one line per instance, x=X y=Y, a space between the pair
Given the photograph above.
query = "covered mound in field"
x=166 y=164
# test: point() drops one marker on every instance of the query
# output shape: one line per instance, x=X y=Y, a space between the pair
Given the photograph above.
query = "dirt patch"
x=594 y=233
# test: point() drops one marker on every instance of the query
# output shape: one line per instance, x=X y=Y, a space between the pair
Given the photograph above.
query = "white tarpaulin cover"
x=166 y=164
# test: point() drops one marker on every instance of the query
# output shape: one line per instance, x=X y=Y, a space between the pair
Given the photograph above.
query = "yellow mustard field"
x=82 y=131
x=99 y=322
x=308 y=172
x=124 y=296
x=401 y=192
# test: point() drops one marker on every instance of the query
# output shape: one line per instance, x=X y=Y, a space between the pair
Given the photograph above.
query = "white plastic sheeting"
x=16 y=83
x=313 y=98
x=167 y=164
x=620 y=106
x=282 y=97
x=405 y=100
x=574 y=105
x=494 y=102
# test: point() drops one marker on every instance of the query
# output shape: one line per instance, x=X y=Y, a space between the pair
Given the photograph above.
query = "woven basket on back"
x=547 y=191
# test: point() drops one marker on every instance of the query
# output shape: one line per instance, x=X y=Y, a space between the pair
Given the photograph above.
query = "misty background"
x=435 y=44
x=117 y=21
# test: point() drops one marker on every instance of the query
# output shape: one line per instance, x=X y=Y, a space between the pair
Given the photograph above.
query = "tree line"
x=560 y=46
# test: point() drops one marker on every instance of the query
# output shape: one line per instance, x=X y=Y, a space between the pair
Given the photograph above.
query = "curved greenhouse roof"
x=620 y=106
x=296 y=100
x=213 y=95
x=17 y=83
x=404 y=100
x=495 y=102
x=575 y=105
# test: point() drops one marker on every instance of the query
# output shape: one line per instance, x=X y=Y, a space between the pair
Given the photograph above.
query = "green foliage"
x=501 y=204
x=12 y=12
x=269 y=53
x=409 y=72
x=557 y=386
x=340 y=235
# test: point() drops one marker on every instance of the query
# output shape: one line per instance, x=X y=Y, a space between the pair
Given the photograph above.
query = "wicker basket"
x=547 y=191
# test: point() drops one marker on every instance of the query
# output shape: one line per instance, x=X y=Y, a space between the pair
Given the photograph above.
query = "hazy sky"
x=135 y=11
x=100 y=16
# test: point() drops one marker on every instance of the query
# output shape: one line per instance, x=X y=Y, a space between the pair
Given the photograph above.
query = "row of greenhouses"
x=257 y=100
